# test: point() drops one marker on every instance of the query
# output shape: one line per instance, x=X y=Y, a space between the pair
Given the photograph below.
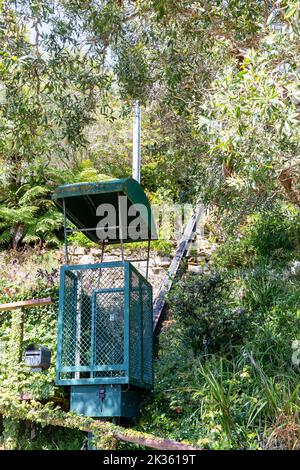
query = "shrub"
x=80 y=239
x=208 y=312
x=268 y=237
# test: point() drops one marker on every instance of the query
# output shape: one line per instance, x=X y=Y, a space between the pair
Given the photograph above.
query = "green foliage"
x=162 y=247
x=31 y=211
x=48 y=439
x=10 y=434
x=132 y=68
x=266 y=237
x=219 y=84
x=243 y=393
x=5 y=237
x=79 y=239
x=23 y=214
x=276 y=233
x=39 y=327
x=87 y=172
x=221 y=396
x=239 y=402
x=52 y=86
x=209 y=314
x=251 y=118
x=30 y=215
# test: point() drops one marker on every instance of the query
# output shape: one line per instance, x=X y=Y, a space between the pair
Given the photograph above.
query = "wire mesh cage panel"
x=105 y=326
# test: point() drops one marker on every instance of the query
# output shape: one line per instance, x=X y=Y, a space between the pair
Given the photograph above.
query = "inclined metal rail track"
x=182 y=249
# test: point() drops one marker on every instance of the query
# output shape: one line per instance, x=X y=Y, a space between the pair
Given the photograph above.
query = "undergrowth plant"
x=224 y=373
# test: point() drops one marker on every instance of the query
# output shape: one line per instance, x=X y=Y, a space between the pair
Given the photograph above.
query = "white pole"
x=136 y=161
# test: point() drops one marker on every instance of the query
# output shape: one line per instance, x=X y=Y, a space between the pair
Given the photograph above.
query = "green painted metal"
x=86 y=400
x=104 y=326
x=82 y=199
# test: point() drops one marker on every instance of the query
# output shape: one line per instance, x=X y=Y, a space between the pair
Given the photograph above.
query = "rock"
x=107 y=258
x=95 y=252
x=203 y=244
x=206 y=270
x=115 y=252
x=195 y=268
x=214 y=247
x=155 y=270
x=203 y=253
x=77 y=251
x=159 y=261
x=87 y=259
x=202 y=259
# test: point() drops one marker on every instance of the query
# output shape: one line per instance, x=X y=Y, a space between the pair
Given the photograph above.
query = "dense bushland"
x=230 y=344
x=219 y=87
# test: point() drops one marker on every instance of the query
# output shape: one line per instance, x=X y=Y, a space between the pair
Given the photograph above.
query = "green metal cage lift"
x=105 y=323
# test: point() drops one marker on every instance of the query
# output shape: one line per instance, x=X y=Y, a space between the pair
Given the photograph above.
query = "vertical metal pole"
x=65 y=233
x=101 y=261
x=136 y=161
x=121 y=236
x=78 y=322
x=93 y=317
x=148 y=257
x=102 y=251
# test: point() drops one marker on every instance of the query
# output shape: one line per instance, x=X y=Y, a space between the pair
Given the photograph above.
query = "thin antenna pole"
x=136 y=160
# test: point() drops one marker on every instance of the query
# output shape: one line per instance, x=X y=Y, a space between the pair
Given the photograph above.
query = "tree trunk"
x=18 y=232
x=287 y=181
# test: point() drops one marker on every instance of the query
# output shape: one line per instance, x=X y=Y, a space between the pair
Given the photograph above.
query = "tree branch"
x=36 y=412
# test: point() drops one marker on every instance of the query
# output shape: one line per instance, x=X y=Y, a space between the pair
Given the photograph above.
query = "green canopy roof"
x=82 y=200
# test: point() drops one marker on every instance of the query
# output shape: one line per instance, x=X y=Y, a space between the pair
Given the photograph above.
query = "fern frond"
x=14 y=216
x=31 y=238
x=51 y=221
x=30 y=234
x=33 y=194
x=5 y=237
x=52 y=240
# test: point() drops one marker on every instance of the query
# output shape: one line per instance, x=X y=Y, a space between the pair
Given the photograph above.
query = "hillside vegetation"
x=219 y=87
